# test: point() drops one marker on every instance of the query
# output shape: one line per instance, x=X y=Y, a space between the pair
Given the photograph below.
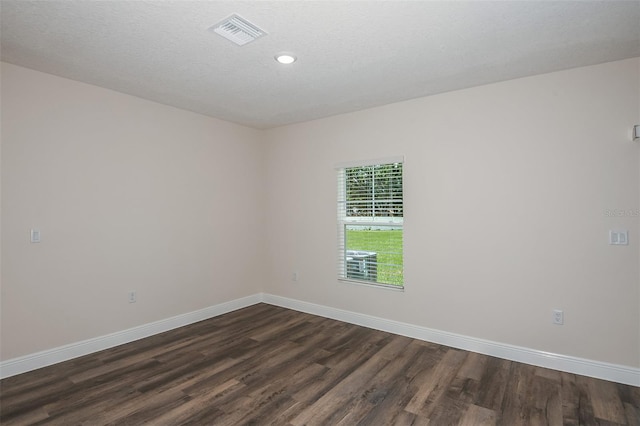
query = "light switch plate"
x=618 y=238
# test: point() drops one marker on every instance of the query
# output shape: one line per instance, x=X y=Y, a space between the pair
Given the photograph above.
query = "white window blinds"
x=370 y=222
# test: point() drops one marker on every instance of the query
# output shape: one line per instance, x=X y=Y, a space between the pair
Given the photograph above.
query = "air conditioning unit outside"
x=362 y=265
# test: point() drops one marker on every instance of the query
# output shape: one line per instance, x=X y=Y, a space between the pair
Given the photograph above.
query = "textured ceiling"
x=351 y=54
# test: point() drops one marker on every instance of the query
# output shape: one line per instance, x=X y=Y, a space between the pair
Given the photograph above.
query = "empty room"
x=320 y=212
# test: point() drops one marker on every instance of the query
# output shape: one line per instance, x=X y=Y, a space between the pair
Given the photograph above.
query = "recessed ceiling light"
x=285 y=58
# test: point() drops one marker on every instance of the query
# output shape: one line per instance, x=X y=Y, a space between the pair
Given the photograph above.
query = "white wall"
x=128 y=195
x=506 y=190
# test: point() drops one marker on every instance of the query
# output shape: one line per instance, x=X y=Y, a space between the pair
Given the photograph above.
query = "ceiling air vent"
x=238 y=30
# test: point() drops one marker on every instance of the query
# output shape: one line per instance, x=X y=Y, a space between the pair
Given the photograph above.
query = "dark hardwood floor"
x=268 y=365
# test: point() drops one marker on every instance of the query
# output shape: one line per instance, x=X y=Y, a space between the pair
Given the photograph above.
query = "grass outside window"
x=388 y=246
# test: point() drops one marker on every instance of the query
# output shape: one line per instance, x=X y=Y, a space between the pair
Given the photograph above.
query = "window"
x=370 y=223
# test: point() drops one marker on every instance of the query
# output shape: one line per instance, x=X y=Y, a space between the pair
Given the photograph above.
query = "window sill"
x=373 y=285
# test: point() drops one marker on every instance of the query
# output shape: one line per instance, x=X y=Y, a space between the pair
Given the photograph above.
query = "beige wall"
x=506 y=188
x=128 y=194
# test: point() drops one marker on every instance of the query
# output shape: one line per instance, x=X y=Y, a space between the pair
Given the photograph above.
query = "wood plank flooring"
x=265 y=365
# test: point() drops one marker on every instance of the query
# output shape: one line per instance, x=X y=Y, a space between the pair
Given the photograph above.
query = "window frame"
x=343 y=221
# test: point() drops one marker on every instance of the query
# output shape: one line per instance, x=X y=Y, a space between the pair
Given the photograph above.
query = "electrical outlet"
x=35 y=236
x=294 y=276
x=558 y=317
x=132 y=297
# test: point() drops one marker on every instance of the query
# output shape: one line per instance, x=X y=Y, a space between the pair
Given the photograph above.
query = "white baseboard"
x=37 y=360
x=601 y=370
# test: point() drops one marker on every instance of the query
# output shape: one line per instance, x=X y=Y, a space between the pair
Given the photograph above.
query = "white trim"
x=601 y=370
x=366 y=221
x=372 y=162
x=372 y=284
x=45 y=358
